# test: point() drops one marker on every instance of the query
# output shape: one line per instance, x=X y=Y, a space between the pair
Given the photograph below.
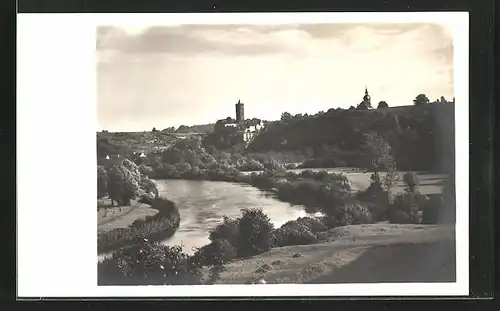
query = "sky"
x=194 y=74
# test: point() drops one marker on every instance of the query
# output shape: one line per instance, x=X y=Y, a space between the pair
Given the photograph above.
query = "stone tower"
x=240 y=112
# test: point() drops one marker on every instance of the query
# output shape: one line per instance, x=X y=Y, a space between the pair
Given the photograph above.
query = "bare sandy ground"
x=358 y=253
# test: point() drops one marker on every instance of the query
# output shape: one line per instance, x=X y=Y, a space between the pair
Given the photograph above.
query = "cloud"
x=194 y=73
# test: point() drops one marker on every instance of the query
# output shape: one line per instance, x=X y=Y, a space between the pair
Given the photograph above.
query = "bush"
x=164 y=224
x=273 y=165
x=295 y=234
x=352 y=214
x=312 y=224
x=254 y=232
x=431 y=211
x=377 y=196
x=411 y=181
x=399 y=217
x=102 y=182
x=214 y=255
x=411 y=203
x=251 y=165
x=227 y=230
x=149 y=263
x=448 y=210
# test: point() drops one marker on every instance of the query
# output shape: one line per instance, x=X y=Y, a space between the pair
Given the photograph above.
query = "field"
x=392 y=251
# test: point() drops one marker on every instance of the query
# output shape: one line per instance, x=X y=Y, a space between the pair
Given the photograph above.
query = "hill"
x=421 y=137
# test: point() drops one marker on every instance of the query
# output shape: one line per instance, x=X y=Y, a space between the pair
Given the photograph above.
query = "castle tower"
x=240 y=112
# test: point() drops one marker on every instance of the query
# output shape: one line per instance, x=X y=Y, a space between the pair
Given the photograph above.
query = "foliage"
x=102 y=182
x=164 y=224
x=312 y=224
x=352 y=214
x=421 y=138
x=411 y=181
x=228 y=230
x=214 y=255
x=123 y=182
x=254 y=232
x=411 y=204
x=382 y=104
x=149 y=263
x=295 y=234
x=377 y=153
x=421 y=99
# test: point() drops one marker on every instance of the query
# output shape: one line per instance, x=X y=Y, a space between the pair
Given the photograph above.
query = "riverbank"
x=394 y=252
x=109 y=218
x=159 y=226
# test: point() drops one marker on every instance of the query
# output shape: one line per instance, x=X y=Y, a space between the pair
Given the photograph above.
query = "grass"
x=430 y=183
x=161 y=225
x=343 y=245
x=116 y=219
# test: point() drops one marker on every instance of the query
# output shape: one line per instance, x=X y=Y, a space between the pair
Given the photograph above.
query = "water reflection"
x=202 y=205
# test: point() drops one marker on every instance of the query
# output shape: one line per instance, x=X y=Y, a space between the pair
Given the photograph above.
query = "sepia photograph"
x=294 y=153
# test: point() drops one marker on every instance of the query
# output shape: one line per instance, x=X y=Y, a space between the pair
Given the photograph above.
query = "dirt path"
x=398 y=263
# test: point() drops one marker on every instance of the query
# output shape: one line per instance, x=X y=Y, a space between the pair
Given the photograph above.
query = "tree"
x=285 y=116
x=382 y=104
x=377 y=152
x=102 y=182
x=421 y=99
x=123 y=182
x=352 y=108
x=154 y=130
x=254 y=229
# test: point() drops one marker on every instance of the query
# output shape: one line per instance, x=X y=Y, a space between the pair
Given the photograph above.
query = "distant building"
x=238 y=129
x=366 y=103
x=240 y=112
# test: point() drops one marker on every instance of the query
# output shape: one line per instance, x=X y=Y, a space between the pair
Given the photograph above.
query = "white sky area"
x=194 y=74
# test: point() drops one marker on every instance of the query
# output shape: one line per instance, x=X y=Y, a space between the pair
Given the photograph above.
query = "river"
x=202 y=205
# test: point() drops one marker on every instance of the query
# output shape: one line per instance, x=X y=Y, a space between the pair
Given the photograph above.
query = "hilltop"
x=421 y=137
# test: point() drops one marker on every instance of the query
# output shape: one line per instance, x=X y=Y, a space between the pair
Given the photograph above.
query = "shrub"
x=251 y=165
x=164 y=223
x=227 y=230
x=411 y=203
x=432 y=210
x=293 y=235
x=148 y=263
x=399 y=217
x=214 y=255
x=312 y=224
x=448 y=214
x=377 y=196
x=102 y=182
x=352 y=214
x=254 y=232
x=411 y=181
x=291 y=166
x=273 y=165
